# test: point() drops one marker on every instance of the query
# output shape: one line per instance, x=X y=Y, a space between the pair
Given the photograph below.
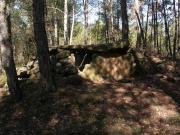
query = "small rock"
x=65 y=61
x=170 y=68
x=58 y=68
x=62 y=54
x=72 y=59
x=23 y=72
x=30 y=65
x=157 y=60
x=161 y=67
x=70 y=70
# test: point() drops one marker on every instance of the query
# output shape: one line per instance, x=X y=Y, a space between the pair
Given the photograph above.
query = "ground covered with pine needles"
x=147 y=105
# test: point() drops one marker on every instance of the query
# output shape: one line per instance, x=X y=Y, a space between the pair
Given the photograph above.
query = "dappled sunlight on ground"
x=115 y=108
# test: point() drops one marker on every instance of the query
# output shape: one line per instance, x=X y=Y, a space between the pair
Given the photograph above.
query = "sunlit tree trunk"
x=160 y=41
x=42 y=45
x=152 y=25
x=147 y=23
x=136 y=8
x=111 y=22
x=51 y=30
x=55 y=27
x=72 y=25
x=155 y=24
x=85 y=4
x=175 y=30
x=7 y=50
x=98 y=27
x=65 y=22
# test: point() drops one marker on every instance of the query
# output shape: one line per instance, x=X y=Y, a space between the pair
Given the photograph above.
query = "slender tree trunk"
x=85 y=3
x=106 y=18
x=111 y=22
x=52 y=33
x=138 y=40
x=65 y=23
x=168 y=40
x=147 y=22
x=175 y=31
x=156 y=26
x=42 y=45
x=7 y=50
x=117 y=13
x=72 y=26
x=178 y=30
x=152 y=26
x=160 y=41
x=125 y=25
x=154 y=23
x=55 y=28
x=58 y=32
x=98 y=27
x=106 y=22
x=141 y=29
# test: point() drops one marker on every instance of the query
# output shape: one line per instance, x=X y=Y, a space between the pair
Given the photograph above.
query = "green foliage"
x=78 y=33
x=96 y=32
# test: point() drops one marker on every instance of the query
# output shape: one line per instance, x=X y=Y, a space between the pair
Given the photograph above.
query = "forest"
x=89 y=67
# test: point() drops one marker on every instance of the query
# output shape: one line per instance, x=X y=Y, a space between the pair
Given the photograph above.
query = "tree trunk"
x=85 y=3
x=175 y=31
x=56 y=28
x=154 y=23
x=111 y=22
x=141 y=29
x=168 y=41
x=72 y=25
x=178 y=30
x=118 y=14
x=52 y=33
x=125 y=26
x=7 y=50
x=65 y=23
x=147 y=22
x=106 y=21
x=157 y=44
x=42 y=45
x=98 y=25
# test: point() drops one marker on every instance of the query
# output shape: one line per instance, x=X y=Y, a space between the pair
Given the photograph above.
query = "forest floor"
x=146 y=105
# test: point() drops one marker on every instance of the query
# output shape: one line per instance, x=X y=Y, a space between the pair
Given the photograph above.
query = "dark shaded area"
x=99 y=49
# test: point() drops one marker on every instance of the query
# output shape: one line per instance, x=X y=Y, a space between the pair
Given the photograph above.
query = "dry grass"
x=2 y=80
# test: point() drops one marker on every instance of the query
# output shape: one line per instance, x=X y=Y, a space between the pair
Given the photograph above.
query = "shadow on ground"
x=139 y=106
